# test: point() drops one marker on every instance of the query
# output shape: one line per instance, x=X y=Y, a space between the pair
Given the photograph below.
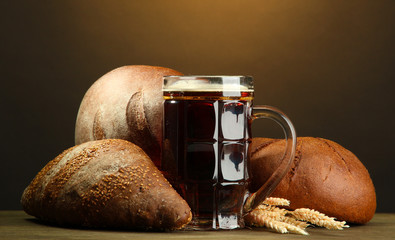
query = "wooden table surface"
x=19 y=225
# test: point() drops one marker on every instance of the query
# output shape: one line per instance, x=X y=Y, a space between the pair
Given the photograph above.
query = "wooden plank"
x=19 y=225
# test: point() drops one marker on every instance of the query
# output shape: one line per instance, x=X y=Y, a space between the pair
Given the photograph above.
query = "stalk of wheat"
x=269 y=214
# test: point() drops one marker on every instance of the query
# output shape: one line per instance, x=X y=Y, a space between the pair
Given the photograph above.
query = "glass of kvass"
x=206 y=135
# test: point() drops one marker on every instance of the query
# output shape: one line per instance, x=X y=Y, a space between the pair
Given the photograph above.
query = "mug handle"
x=290 y=136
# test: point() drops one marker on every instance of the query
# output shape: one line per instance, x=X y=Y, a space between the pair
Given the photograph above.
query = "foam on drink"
x=201 y=85
x=201 y=89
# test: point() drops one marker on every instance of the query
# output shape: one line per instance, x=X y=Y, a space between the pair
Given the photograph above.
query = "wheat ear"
x=318 y=218
x=281 y=220
x=260 y=220
x=276 y=201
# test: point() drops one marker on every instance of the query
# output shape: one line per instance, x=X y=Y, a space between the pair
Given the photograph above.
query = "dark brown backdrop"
x=328 y=64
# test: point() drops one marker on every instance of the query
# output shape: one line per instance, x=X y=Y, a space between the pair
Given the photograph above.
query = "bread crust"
x=105 y=184
x=125 y=103
x=324 y=176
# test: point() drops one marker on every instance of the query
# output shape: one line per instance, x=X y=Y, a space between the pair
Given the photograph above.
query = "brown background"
x=328 y=64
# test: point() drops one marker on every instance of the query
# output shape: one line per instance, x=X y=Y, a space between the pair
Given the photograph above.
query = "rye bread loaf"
x=125 y=103
x=324 y=176
x=105 y=184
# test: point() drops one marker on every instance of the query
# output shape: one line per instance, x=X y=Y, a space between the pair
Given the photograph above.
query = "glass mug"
x=206 y=134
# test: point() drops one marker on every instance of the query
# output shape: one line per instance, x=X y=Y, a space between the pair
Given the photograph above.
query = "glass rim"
x=208 y=83
x=208 y=77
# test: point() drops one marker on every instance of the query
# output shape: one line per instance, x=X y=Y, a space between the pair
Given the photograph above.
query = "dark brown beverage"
x=206 y=138
x=207 y=131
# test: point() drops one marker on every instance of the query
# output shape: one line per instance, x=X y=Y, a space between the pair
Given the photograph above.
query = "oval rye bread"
x=125 y=103
x=324 y=176
x=105 y=184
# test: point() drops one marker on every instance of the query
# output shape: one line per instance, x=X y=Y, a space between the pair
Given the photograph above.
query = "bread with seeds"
x=324 y=176
x=105 y=184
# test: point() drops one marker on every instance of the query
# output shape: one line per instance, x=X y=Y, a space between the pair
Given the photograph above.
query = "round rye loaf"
x=108 y=183
x=324 y=176
x=125 y=103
